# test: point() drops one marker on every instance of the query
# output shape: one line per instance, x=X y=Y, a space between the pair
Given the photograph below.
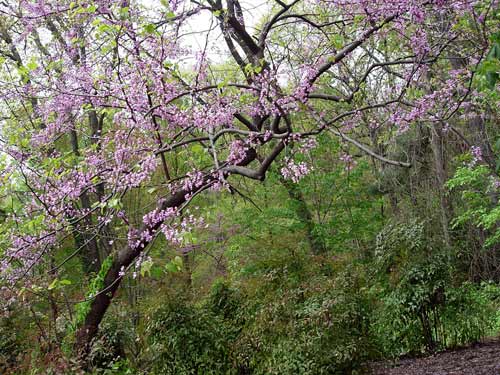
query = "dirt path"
x=479 y=359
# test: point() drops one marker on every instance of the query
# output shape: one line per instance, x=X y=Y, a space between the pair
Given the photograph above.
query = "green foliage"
x=96 y=286
x=395 y=243
x=175 y=265
x=81 y=309
x=345 y=207
x=469 y=314
x=317 y=328
x=187 y=340
x=10 y=344
x=433 y=320
x=479 y=200
x=119 y=367
x=293 y=317
x=107 y=354
x=420 y=306
x=490 y=67
x=224 y=300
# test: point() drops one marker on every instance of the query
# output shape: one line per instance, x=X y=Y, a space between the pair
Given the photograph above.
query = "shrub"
x=317 y=328
x=107 y=352
x=188 y=340
x=224 y=300
x=9 y=345
x=422 y=308
x=468 y=314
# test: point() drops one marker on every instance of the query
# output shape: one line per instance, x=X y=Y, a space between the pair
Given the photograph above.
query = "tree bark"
x=112 y=280
x=441 y=177
x=316 y=243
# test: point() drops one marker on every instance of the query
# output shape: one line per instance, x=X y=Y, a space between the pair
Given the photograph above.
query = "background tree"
x=110 y=137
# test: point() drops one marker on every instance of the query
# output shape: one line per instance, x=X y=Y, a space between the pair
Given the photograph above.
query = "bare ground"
x=478 y=359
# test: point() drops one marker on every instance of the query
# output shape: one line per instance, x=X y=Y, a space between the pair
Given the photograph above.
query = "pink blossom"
x=295 y=171
x=477 y=155
x=349 y=161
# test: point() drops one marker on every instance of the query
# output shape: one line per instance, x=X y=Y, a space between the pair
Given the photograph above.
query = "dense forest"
x=246 y=187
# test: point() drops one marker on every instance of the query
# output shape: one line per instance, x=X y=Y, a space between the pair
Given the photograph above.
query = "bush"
x=421 y=307
x=468 y=314
x=9 y=345
x=319 y=327
x=223 y=300
x=107 y=352
x=188 y=340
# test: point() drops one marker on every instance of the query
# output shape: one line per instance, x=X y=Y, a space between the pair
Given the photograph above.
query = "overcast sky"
x=196 y=30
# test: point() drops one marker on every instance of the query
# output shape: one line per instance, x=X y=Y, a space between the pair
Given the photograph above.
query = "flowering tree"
x=103 y=98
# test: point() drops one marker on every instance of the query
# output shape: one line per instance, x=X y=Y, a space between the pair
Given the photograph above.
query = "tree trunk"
x=112 y=280
x=441 y=177
x=124 y=258
x=84 y=238
x=316 y=243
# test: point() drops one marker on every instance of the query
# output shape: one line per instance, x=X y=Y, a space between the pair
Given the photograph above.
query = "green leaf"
x=197 y=150
x=491 y=79
x=150 y=28
x=178 y=261
x=146 y=267
x=494 y=52
x=53 y=284
x=114 y=203
x=170 y=267
x=32 y=65
x=175 y=265
x=124 y=13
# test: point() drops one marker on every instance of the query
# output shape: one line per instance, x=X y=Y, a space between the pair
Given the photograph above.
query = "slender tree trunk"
x=316 y=243
x=188 y=270
x=84 y=238
x=441 y=178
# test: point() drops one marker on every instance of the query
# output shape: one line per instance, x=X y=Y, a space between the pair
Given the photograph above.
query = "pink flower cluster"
x=349 y=161
x=377 y=9
x=157 y=216
x=477 y=155
x=295 y=171
x=237 y=152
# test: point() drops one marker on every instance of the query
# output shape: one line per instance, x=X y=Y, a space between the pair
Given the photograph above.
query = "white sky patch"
x=202 y=32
